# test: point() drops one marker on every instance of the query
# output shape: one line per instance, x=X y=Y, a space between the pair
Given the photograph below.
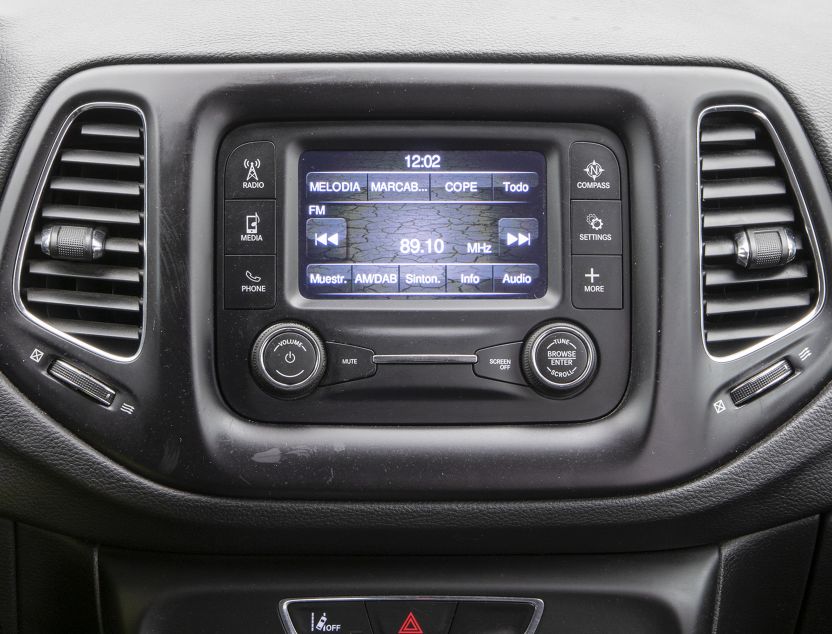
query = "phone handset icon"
x=252 y=277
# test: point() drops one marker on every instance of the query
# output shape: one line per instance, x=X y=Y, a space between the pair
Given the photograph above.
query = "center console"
x=466 y=272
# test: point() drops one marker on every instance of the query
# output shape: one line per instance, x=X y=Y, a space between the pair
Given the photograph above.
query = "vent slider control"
x=70 y=242
x=765 y=247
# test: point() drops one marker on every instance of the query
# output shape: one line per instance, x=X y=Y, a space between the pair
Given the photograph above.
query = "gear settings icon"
x=595 y=222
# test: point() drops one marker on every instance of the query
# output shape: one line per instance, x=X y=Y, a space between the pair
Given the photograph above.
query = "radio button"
x=501 y=363
x=347 y=363
x=515 y=185
x=250 y=171
x=249 y=281
x=596 y=227
x=398 y=187
x=375 y=278
x=428 y=278
x=249 y=227
x=460 y=186
x=332 y=186
x=597 y=281
x=329 y=278
x=515 y=278
x=594 y=172
x=517 y=235
x=470 y=278
x=326 y=238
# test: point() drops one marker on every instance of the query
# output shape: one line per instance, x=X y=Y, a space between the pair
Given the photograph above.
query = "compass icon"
x=594 y=170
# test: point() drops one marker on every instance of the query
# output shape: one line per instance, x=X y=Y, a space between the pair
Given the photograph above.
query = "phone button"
x=249 y=281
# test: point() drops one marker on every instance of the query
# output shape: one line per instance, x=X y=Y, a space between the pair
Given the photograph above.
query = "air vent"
x=759 y=260
x=81 y=269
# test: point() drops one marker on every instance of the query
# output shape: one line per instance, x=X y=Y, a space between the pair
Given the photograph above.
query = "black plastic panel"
x=181 y=432
x=422 y=394
x=661 y=593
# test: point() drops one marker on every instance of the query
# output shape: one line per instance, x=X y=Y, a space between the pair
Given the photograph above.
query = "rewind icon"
x=327 y=239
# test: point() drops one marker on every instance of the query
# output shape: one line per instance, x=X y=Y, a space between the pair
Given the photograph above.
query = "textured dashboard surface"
x=49 y=478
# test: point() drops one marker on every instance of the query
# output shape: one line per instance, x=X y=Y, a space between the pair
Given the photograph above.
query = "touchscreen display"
x=445 y=224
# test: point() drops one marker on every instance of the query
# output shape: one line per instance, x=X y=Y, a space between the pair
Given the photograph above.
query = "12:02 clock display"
x=463 y=224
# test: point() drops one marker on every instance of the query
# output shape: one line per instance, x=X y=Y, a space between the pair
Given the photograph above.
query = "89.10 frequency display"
x=465 y=224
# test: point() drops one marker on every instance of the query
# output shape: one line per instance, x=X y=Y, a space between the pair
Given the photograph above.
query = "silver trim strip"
x=35 y=205
x=533 y=624
x=807 y=220
x=424 y=359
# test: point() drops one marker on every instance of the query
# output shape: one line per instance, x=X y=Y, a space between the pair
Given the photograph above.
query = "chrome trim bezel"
x=807 y=221
x=537 y=604
x=590 y=356
x=277 y=330
x=35 y=205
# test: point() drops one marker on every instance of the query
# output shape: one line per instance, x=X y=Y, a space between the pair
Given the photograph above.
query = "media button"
x=594 y=172
x=470 y=278
x=597 y=281
x=326 y=238
x=336 y=186
x=596 y=227
x=517 y=235
x=375 y=278
x=426 y=278
x=249 y=281
x=329 y=278
x=249 y=227
x=515 y=185
x=250 y=172
x=516 y=278
x=398 y=187
x=460 y=186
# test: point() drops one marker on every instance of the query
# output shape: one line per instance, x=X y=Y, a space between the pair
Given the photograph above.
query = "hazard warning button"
x=411 y=617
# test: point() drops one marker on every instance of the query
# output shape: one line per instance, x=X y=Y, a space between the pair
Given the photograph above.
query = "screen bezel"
x=426 y=136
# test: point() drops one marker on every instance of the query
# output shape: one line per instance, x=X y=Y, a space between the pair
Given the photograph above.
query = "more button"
x=597 y=281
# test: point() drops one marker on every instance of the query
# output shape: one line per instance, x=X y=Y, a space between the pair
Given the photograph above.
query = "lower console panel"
x=647 y=593
x=754 y=583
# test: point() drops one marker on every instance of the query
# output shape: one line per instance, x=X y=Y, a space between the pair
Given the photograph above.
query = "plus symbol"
x=592 y=275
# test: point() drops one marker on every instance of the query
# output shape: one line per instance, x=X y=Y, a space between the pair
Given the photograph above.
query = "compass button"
x=594 y=172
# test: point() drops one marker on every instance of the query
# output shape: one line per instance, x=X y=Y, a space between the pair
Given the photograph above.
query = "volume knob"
x=559 y=359
x=288 y=359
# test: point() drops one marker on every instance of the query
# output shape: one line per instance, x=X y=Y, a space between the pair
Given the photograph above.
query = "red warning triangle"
x=411 y=626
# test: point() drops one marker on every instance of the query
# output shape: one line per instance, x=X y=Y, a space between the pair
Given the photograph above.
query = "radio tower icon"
x=252 y=169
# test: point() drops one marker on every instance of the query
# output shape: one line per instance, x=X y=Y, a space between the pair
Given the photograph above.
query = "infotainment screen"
x=406 y=224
